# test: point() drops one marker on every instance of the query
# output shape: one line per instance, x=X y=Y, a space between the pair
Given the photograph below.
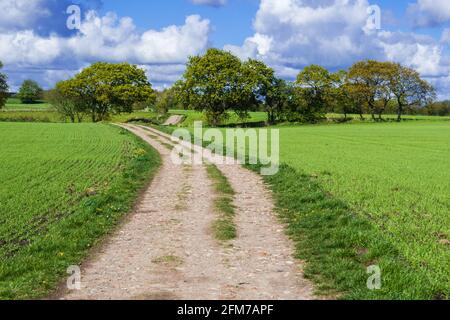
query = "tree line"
x=96 y=92
x=218 y=83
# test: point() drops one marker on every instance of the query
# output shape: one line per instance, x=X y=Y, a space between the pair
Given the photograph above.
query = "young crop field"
x=396 y=177
x=63 y=187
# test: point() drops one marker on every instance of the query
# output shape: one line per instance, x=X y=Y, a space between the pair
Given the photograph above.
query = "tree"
x=281 y=101
x=441 y=108
x=3 y=88
x=342 y=99
x=214 y=84
x=371 y=80
x=66 y=106
x=409 y=89
x=105 y=88
x=357 y=98
x=166 y=100
x=267 y=90
x=315 y=88
x=30 y=92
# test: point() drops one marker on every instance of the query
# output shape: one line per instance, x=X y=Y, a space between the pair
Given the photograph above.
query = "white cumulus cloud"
x=290 y=34
x=101 y=38
x=427 y=13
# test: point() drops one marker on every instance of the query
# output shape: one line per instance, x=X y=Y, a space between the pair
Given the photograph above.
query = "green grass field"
x=63 y=187
x=16 y=105
x=257 y=117
x=396 y=177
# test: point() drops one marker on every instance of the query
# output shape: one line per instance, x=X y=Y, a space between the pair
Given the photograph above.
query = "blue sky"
x=232 y=23
x=159 y=36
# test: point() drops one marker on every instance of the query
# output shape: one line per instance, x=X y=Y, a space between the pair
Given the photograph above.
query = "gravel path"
x=166 y=249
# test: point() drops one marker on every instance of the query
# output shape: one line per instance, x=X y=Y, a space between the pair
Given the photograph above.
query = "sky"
x=159 y=36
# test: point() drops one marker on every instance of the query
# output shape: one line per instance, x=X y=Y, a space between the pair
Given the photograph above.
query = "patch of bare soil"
x=174 y=120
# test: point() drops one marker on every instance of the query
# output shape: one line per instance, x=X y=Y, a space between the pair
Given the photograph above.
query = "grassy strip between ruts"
x=338 y=245
x=36 y=271
x=224 y=227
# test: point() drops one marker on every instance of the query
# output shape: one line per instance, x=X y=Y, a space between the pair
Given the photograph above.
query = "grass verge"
x=224 y=227
x=338 y=245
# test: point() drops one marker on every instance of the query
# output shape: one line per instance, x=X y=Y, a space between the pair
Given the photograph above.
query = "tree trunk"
x=271 y=116
x=399 y=112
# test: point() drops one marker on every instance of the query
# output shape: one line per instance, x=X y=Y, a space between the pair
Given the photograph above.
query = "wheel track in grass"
x=166 y=248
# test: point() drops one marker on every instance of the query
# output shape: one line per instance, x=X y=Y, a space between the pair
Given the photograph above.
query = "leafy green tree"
x=315 y=92
x=260 y=81
x=358 y=98
x=371 y=78
x=105 y=88
x=342 y=101
x=68 y=107
x=409 y=89
x=167 y=100
x=276 y=96
x=3 y=88
x=282 y=103
x=214 y=84
x=30 y=92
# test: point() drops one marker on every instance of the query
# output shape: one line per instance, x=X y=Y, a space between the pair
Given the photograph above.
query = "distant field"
x=192 y=116
x=63 y=186
x=388 y=117
x=16 y=104
x=54 y=117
